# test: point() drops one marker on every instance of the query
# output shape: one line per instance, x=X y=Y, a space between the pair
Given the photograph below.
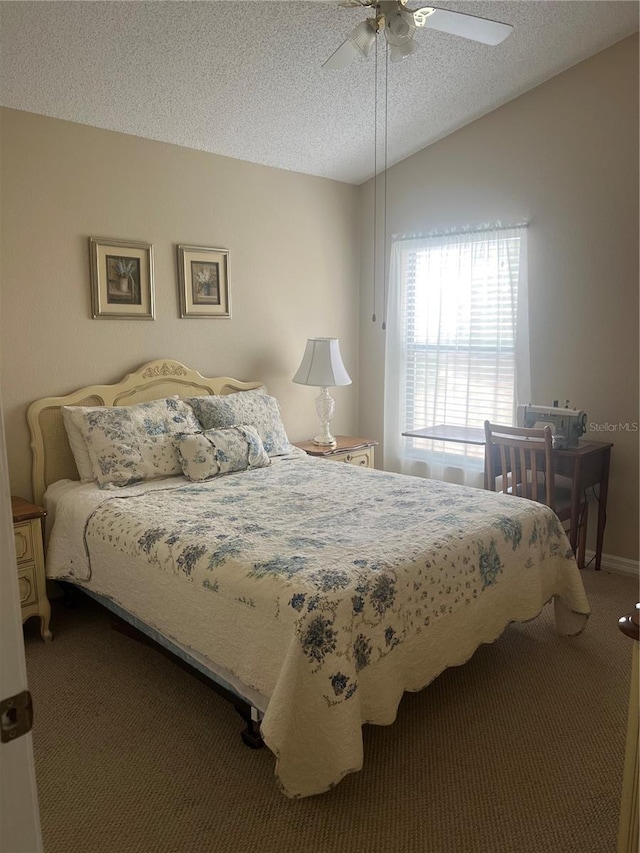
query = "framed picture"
x=203 y=276
x=121 y=279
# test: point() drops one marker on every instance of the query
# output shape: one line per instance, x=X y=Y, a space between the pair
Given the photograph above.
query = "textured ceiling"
x=243 y=79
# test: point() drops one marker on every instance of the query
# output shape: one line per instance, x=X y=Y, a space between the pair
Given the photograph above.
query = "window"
x=456 y=343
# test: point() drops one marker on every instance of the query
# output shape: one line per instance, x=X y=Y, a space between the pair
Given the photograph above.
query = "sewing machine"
x=567 y=425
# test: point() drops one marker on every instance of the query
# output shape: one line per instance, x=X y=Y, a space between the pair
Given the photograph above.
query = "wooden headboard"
x=50 y=450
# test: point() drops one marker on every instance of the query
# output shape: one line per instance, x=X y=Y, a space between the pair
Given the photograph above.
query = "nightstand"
x=28 y=536
x=354 y=451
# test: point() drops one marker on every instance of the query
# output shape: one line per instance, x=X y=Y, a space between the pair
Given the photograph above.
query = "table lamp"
x=322 y=366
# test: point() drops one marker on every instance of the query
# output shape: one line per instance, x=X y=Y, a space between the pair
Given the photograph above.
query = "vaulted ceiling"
x=244 y=79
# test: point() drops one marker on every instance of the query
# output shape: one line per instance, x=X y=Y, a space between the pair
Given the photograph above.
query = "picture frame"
x=203 y=282
x=122 y=282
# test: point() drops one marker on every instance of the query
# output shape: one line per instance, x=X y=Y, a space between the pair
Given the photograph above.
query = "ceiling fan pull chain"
x=375 y=174
x=385 y=271
x=399 y=24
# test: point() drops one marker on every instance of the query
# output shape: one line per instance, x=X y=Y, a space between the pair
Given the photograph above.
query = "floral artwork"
x=203 y=278
x=204 y=282
x=122 y=286
x=123 y=277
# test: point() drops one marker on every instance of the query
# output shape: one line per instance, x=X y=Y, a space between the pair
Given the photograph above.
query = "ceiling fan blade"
x=459 y=24
x=343 y=56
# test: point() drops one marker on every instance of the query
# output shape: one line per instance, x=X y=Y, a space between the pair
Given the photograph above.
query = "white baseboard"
x=619 y=565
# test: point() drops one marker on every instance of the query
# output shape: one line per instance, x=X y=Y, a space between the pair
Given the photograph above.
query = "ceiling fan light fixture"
x=398 y=52
x=358 y=43
x=398 y=27
x=363 y=37
x=400 y=23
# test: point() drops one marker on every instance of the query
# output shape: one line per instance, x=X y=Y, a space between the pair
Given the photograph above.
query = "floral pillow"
x=252 y=408
x=220 y=451
x=128 y=444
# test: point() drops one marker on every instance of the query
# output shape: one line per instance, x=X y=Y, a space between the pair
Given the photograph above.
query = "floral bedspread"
x=327 y=588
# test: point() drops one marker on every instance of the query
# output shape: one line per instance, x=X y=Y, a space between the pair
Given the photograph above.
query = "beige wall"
x=293 y=268
x=565 y=157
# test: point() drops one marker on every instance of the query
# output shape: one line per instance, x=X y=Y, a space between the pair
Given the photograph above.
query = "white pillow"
x=128 y=444
x=78 y=445
x=221 y=451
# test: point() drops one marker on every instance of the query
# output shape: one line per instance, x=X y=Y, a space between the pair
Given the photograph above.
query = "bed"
x=315 y=591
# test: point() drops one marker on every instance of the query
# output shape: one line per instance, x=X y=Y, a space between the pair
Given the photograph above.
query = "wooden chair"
x=523 y=460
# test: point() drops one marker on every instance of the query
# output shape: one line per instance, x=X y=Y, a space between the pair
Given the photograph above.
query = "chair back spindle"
x=523 y=459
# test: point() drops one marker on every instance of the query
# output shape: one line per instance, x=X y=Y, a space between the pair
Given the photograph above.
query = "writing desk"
x=586 y=465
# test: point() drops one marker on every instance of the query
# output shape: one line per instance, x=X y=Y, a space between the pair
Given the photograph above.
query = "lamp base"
x=324 y=407
x=321 y=441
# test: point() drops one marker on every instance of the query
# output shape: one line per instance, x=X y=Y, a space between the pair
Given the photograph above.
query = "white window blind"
x=454 y=341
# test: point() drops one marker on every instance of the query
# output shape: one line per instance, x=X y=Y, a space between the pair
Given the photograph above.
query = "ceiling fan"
x=398 y=23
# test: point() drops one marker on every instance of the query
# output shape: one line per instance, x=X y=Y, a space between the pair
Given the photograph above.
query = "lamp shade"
x=322 y=364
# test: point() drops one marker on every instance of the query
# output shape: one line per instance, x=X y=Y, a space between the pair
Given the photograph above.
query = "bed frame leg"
x=251 y=735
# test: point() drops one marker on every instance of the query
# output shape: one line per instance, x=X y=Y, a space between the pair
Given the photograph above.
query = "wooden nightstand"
x=28 y=535
x=354 y=451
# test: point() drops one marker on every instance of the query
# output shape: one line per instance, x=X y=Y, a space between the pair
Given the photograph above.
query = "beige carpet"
x=519 y=751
